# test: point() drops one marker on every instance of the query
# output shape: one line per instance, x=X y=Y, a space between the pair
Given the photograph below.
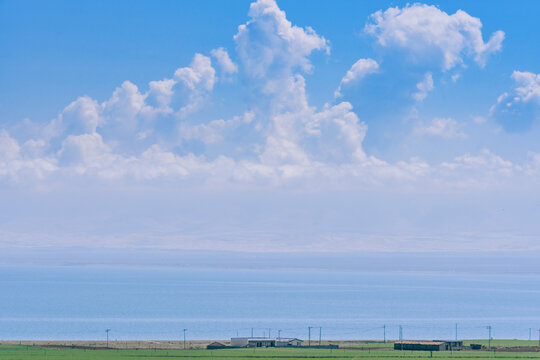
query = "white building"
x=264 y=342
x=285 y=342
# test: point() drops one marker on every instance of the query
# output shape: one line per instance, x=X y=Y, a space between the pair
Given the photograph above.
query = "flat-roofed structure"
x=435 y=345
x=288 y=342
x=244 y=341
x=264 y=342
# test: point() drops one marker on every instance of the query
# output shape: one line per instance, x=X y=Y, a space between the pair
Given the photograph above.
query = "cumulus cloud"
x=527 y=86
x=283 y=136
x=359 y=69
x=82 y=116
x=200 y=75
x=269 y=43
x=485 y=160
x=272 y=52
x=85 y=151
x=424 y=87
x=518 y=108
x=416 y=43
x=443 y=127
x=339 y=123
x=200 y=78
x=162 y=91
x=424 y=31
x=23 y=163
x=224 y=61
x=214 y=130
x=125 y=104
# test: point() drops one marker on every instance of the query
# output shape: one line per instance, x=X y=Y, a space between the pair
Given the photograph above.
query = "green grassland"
x=363 y=351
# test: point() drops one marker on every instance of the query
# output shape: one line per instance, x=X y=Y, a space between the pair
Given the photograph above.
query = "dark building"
x=436 y=345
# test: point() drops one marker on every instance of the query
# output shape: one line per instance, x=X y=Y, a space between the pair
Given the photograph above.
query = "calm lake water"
x=80 y=303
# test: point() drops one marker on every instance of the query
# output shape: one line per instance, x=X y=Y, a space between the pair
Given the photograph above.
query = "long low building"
x=264 y=342
x=435 y=345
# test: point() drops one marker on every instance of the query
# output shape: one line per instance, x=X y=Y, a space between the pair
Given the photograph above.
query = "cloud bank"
x=280 y=137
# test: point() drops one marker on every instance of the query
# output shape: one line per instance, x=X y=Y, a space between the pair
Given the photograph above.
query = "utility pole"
x=489 y=340
x=530 y=330
x=309 y=335
x=251 y=332
x=279 y=334
x=401 y=336
x=456 y=331
x=269 y=332
x=107 y=331
x=320 y=335
x=538 y=337
x=384 y=331
x=185 y=339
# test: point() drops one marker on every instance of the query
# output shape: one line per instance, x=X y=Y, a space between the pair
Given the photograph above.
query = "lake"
x=79 y=303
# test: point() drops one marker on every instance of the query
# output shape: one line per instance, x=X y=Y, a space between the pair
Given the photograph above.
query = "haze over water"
x=79 y=303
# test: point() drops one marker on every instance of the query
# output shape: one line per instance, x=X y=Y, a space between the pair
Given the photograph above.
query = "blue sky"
x=296 y=125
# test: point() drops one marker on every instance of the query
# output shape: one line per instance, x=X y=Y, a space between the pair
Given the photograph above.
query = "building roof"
x=263 y=338
x=287 y=339
x=414 y=342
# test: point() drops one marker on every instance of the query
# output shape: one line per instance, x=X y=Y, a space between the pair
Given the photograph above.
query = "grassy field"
x=364 y=350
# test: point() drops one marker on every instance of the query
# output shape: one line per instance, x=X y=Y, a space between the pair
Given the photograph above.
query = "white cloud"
x=162 y=91
x=281 y=151
x=272 y=50
x=456 y=77
x=82 y=116
x=116 y=139
x=424 y=87
x=425 y=30
x=518 y=108
x=359 y=69
x=9 y=147
x=23 y=163
x=527 y=86
x=479 y=119
x=125 y=104
x=224 y=61
x=213 y=131
x=200 y=75
x=444 y=127
x=486 y=161
x=268 y=42
x=85 y=152
x=344 y=144
x=200 y=78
